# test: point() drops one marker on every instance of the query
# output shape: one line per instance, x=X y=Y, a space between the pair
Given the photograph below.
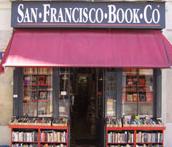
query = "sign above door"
x=53 y=14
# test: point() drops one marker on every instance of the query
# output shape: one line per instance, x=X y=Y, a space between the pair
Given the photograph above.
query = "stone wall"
x=6 y=78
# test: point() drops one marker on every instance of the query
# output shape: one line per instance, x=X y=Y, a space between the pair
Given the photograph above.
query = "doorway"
x=84 y=109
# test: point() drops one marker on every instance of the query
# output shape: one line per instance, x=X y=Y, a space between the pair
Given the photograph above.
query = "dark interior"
x=83 y=112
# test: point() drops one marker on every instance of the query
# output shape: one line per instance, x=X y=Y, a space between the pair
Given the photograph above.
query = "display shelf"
x=149 y=143
x=137 y=87
x=46 y=142
x=149 y=129
x=116 y=143
x=29 y=142
x=37 y=89
x=38 y=128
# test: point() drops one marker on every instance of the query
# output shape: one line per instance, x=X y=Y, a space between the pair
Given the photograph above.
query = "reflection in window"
x=137 y=92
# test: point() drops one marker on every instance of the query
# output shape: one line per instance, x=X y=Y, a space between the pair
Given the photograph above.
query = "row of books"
x=141 y=120
x=24 y=145
x=50 y=145
x=127 y=145
x=120 y=137
x=31 y=96
x=149 y=137
x=133 y=121
x=39 y=120
x=136 y=71
x=53 y=136
x=41 y=79
x=139 y=97
x=37 y=70
x=143 y=145
x=24 y=136
x=135 y=80
x=150 y=145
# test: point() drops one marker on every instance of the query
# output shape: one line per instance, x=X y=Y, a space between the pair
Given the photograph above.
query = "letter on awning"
x=88 y=48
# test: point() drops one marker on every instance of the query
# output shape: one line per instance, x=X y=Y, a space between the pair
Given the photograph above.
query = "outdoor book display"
x=37 y=127
x=47 y=96
x=27 y=132
x=134 y=132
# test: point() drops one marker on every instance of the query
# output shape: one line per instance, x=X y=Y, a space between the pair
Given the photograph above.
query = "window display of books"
x=37 y=86
x=138 y=88
x=137 y=92
x=34 y=71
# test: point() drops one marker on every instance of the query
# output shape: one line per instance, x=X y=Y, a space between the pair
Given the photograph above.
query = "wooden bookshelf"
x=39 y=135
x=129 y=135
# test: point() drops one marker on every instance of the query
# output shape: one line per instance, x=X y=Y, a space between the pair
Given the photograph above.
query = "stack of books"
x=39 y=121
x=134 y=121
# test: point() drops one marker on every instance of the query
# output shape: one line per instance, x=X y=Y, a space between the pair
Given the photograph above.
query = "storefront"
x=87 y=74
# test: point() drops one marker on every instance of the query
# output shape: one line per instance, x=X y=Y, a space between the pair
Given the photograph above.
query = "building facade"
x=6 y=79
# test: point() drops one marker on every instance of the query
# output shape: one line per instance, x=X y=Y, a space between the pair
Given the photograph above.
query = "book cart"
x=135 y=136
x=39 y=135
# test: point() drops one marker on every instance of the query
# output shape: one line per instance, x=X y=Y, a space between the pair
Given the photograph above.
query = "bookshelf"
x=39 y=135
x=135 y=136
x=137 y=91
x=37 y=90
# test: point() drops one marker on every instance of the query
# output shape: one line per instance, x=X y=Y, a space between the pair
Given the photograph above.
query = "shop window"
x=37 y=92
x=65 y=93
x=110 y=93
x=137 y=91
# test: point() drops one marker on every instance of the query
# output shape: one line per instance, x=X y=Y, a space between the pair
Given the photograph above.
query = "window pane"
x=37 y=99
x=65 y=92
x=110 y=93
x=137 y=96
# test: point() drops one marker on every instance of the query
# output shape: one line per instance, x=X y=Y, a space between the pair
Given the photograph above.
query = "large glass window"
x=137 y=92
x=37 y=99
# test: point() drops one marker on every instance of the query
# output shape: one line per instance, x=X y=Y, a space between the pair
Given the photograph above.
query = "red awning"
x=89 y=48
